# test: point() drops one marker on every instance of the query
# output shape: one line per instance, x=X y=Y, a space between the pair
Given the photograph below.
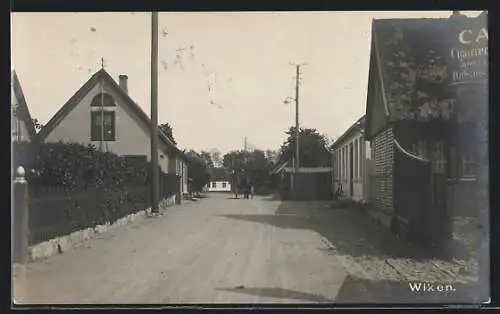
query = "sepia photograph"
x=257 y=158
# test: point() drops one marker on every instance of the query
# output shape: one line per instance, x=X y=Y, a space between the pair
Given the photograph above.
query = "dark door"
x=351 y=170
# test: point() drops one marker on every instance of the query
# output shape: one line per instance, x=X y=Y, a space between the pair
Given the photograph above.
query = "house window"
x=438 y=157
x=98 y=119
x=344 y=172
x=356 y=159
x=214 y=185
x=337 y=164
x=103 y=100
x=361 y=159
x=341 y=163
x=224 y=184
x=420 y=148
x=468 y=166
x=467 y=149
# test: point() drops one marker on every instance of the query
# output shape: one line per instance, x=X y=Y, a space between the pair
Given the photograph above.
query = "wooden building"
x=351 y=160
x=306 y=184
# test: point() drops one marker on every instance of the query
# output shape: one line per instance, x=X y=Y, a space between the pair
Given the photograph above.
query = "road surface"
x=224 y=250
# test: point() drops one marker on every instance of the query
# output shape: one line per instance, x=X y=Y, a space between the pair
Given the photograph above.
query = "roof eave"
x=25 y=112
x=80 y=93
x=72 y=102
x=357 y=126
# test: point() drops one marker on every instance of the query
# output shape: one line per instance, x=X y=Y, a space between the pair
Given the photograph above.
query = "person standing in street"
x=246 y=188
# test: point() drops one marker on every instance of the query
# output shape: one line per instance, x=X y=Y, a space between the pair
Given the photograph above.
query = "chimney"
x=123 y=82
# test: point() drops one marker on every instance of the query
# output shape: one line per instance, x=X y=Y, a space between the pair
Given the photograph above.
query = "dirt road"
x=261 y=250
x=194 y=253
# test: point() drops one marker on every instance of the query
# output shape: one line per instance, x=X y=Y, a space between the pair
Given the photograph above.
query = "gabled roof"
x=358 y=126
x=280 y=167
x=22 y=111
x=219 y=174
x=102 y=75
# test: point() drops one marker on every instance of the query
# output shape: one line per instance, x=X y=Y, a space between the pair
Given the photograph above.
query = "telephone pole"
x=155 y=176
x=245 y=152
x=297 y=126
x=297 y=130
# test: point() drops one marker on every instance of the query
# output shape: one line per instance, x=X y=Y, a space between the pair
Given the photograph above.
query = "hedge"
x=76 y=166
x=58 y=213
x=73 y=187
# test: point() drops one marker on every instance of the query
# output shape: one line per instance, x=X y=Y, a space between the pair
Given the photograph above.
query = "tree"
x=216 y=157
x=254 y=166
x=207 y=157
x=312 y=148
x=198 y=170
x=233 y=160
x=37 y=124
x=272 y=155
x=167 y=129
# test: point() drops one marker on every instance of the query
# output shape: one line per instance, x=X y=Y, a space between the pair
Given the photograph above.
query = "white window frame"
x=438 y=159
x=465 y=160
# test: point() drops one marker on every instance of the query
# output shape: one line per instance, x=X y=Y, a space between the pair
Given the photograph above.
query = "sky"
x=222 y=76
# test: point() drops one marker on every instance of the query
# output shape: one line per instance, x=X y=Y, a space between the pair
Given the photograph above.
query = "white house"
x=219 y=181
x=218 y=186
x=102 y=113
x=351 y=160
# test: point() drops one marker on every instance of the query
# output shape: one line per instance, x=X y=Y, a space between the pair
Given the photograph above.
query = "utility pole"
x=155 y=176
x=101 y=85
x=297 y=130
x=245 y=156
x=297 y=126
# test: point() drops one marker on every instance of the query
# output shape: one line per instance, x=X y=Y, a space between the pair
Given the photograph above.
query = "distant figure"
x=246 y=189
x=252 y=190
x=235 y=191
x=340 y=192
x=236 y=184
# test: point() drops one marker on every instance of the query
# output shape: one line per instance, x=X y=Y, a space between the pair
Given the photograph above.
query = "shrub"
x=77 y=187
x=76 y=166
x=23 y=155
x=53 y=214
